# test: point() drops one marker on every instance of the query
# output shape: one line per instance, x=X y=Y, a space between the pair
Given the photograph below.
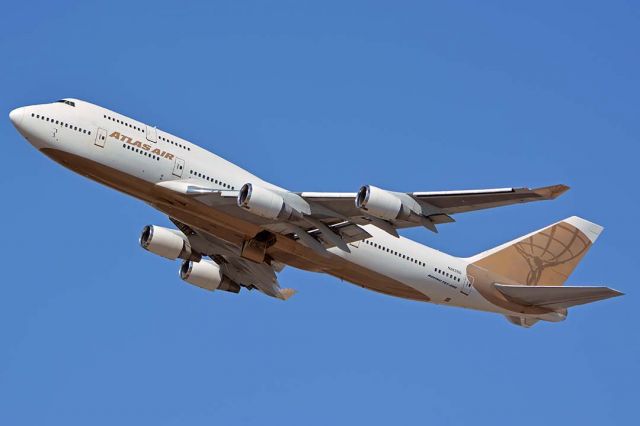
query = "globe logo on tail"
x=561 y=244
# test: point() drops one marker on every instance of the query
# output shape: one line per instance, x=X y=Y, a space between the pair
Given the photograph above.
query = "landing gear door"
x=178 y=167
x=101 y=137
x=152 y=134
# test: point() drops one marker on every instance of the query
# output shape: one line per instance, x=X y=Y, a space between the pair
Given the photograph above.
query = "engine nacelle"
x=166 y=242
x=380 y=203
x=207 y=274
x=264 y=202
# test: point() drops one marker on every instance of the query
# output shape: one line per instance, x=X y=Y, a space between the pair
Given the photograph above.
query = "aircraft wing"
x=321 y=220
x=430 y=208
x=247 y=273
x=451 y=202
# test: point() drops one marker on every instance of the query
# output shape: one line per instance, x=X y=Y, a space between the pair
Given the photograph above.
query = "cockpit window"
x=64 y=101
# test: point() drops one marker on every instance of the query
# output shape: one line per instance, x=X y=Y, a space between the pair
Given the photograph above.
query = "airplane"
x=235 y=230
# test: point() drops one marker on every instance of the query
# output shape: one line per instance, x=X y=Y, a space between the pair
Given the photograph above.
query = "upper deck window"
x=64 y=101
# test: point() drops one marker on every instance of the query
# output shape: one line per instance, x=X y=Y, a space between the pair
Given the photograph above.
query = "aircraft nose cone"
x=16 y=116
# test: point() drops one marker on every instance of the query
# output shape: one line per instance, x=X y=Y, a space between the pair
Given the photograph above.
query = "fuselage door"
x=178 y=167
x=152 y=134
x=467 y=282
x=101 y=137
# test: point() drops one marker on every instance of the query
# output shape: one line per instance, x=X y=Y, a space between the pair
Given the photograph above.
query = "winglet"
x=551 y=192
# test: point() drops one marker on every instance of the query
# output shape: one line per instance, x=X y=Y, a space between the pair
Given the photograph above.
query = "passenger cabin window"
x=403 y=256
x=124 y=123
x=62 y=124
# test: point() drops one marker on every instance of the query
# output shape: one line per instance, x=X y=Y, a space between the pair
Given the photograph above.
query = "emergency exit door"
x=152 y=134
x=101 y=137
x=178 y=167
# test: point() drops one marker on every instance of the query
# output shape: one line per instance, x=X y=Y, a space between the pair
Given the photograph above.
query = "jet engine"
x=206 y=274
x=165 y=242
x=380 y=203
x=265 y=203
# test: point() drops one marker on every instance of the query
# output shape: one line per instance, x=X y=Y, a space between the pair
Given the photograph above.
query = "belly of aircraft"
x=232 y=229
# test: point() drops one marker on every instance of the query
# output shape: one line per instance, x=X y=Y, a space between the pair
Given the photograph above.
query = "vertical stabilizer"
x=545 y=257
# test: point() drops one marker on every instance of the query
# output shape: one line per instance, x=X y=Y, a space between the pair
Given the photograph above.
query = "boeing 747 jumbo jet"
x=235 y=230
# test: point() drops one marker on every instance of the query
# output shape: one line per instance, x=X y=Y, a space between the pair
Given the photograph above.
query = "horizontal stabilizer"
x=555 y=297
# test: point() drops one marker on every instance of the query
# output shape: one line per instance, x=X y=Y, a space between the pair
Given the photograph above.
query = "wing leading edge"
x=430 y=208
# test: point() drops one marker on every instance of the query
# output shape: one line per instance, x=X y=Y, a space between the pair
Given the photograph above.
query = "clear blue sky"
x=320 y=96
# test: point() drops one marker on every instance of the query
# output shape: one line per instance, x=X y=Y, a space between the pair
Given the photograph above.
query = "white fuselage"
x=88 y=132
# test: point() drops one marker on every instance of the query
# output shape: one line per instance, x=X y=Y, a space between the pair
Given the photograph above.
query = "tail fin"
x=545 y=257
